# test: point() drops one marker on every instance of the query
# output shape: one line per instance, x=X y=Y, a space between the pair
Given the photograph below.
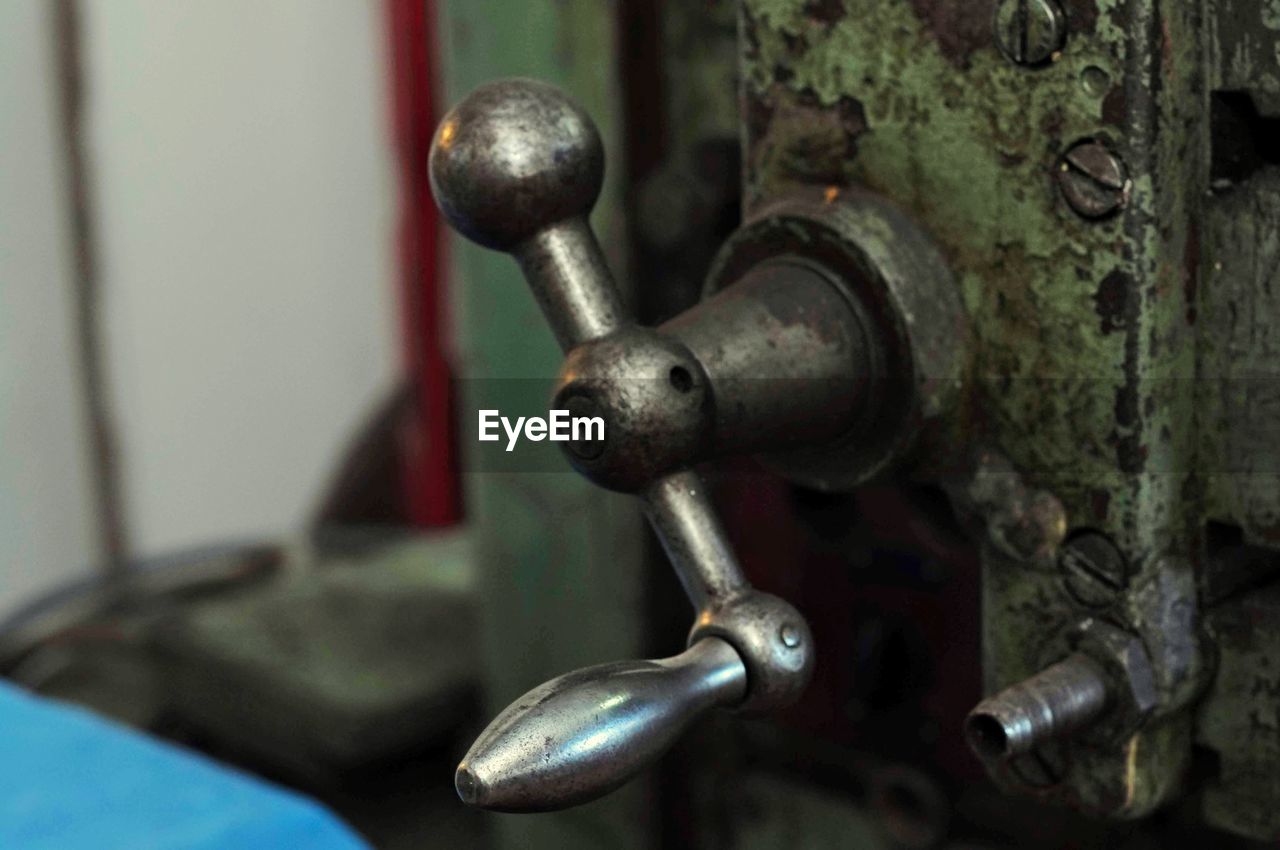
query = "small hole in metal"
x=986 y=736
x=681 y=379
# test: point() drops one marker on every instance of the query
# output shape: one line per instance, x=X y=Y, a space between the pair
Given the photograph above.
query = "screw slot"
x=1030 y=32
x=1093 y=180
x=1093 y=569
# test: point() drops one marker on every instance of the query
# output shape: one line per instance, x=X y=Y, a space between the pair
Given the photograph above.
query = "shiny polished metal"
x=587 y=732
x=782 y=357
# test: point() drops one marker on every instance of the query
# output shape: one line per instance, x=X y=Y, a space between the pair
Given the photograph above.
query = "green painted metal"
x=1084 y=331
x=1238 y=403
x=1120 y=375
x=559 y=562
x=1240 y=407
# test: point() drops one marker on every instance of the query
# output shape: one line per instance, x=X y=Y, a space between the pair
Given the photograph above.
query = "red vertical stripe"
x=433 y=491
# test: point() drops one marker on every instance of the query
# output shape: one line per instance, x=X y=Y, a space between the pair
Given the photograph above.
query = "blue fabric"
x=72 y=781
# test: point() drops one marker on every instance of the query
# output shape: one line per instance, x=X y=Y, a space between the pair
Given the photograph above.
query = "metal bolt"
x=1093 y=180
x=1029 y=32
x=790 y=636
x=1093 y=569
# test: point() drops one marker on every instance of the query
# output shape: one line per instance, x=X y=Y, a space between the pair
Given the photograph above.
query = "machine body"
x=1082 y=358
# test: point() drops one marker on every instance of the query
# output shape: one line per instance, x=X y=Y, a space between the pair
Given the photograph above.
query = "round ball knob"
x=514 y=157
x=653 y=397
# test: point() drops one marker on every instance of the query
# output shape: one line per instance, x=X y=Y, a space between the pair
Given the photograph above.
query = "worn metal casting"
x=1115 y=372
x=1110 y=220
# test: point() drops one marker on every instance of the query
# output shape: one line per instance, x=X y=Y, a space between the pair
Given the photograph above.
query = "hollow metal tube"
x=1062 y=698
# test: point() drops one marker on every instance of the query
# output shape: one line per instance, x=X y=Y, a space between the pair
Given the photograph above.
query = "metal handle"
x=517 y=167
x=583 y=734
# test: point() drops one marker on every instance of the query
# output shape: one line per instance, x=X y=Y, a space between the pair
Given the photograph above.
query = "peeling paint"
x=1082 y=333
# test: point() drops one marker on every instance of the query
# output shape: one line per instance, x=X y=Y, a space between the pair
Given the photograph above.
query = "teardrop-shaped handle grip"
x=583 y=734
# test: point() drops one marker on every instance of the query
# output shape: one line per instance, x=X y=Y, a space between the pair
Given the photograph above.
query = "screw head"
x=1093 y=568
x=1029 y=32
x=1093 y=180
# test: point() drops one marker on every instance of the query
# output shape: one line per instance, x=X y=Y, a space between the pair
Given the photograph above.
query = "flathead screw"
x=1093 y=568
x=1029 y=32
x=1093 y=180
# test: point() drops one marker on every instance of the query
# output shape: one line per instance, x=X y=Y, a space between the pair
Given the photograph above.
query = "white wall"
x=245 y=204
x=47 y=523
x=244 y=196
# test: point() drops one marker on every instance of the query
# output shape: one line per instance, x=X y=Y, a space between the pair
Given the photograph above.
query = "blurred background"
x=218 y=288
x=238 y=506
x=200 y=272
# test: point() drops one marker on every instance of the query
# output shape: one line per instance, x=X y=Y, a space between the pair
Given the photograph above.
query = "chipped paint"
x=1082 y=338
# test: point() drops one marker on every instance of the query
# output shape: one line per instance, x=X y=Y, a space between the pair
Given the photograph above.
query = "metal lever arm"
x=585 y=733
x=517 y=167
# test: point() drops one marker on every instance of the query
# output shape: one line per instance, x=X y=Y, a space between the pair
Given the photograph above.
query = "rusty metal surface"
x=1244 y=39
x=1239 y=406
x=1239 y=401
x=906 y=299
x=1240 y=719
x=1117 y=379
x=1069 y=198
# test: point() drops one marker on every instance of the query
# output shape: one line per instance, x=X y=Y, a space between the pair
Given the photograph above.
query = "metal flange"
x=897 y=280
